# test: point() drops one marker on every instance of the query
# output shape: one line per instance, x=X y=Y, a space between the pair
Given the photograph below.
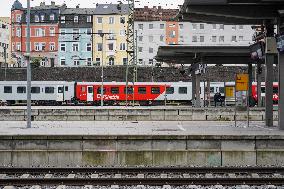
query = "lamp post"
x=28 y=50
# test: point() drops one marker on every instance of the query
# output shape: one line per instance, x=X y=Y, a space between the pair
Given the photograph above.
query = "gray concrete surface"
x=115 y=143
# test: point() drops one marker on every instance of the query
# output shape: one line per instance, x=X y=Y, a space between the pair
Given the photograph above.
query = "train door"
x=60 y=93
x=90 y=94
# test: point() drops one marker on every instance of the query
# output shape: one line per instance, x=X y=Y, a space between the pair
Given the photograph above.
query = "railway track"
x=153 y=176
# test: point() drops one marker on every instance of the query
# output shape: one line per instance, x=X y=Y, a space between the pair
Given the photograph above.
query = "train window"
x=83 y=89
x=60 y=89
x=142 y=90
x=221 y=89
x=155 y=90
x=90 y=90
x=35 y=90
x=49 y=90
x=170 y=90
x=66 y=88
x=182 y=90
x=129 y=91
x=262 y=89
x=114 y=90
x=21 y=90
x=99 y=90
x=212 y=90
x=275 y=90
x=7 y=89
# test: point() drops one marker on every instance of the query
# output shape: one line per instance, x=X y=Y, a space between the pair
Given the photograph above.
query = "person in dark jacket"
x=217 y=98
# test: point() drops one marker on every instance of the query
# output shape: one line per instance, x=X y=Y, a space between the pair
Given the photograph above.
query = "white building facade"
x=4 y=42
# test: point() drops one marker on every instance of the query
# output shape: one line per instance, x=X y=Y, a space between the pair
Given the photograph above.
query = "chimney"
x=52 y=3
x=42 y=4
x=159 y=7
x=154 y=7
x=77 y=6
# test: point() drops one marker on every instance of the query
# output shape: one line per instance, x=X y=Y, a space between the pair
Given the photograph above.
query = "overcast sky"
x=6 y=7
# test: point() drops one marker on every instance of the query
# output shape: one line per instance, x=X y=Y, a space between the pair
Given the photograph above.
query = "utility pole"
x=5 y=60
x=28 y=39
x=130 y=45
x=102 y=66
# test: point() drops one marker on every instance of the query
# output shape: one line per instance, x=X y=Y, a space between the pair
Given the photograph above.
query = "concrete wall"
x=63 y=151
x=134 y=114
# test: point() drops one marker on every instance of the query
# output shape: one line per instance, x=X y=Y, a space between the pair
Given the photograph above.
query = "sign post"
x=242 y=84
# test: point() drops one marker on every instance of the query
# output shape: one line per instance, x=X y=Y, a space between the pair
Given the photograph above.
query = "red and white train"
x=89 y=93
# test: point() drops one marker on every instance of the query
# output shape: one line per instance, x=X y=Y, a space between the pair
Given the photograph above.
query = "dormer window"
x=51 y=17
x=36 y=18
x=42 y=17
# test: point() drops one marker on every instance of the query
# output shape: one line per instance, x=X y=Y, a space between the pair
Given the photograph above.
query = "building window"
x=241 y=27
x=151 y=38
x=36 y=18
x=52 y=46
x=42 y=17
x=99 y=46
x=162 y=26
x=89 y=61
x=18 y=18
x=7 y=89
x=18 y=32
x=89 y=47
x=76 y=19
x=42 y=46
x=140 y=49
x=18 y=46
x=234 y=38
x=151 y=26
x=39 y=32
x=110 y=46
x=140 y=26
x=151 y=50
x=214 y=39
x=201 y=38
x=172 y=34
x=62 y=32
x=76 y=35
x=62 y=18
x=100 y=20
x=89 y=19
x=122 y=20
x=214 y=26
x=234 y=27
x=241 y=38
x=52 y=31
x=62 y=61
x=194 y=26
x=125 y=61
x=151 y=61
x=194 y=38
x=202 y=26
x=222 y=39
x=75 y=47
x=111 y=61
x=63 y=47
x=122 y=46
x=98 y=61
x=111 y=20
x=140 y=61
x=122 y=32
x=140 y=38
x=89 y=31
x=76 y=63
x=51 y=17
x=172 y=25
x=162 y=38
x=221 y=26
x=181 y=26
x=21 y=90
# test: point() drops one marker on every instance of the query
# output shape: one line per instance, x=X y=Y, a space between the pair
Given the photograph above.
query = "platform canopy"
x=249 y=12
x=204 y=54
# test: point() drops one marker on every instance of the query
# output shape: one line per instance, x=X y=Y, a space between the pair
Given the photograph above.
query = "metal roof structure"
x=231 y=11
x=208 y=54
x=106 y=9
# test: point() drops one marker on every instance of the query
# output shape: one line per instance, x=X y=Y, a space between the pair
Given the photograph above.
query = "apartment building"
x=44 y=33
x=75 y=38
x=109 y=43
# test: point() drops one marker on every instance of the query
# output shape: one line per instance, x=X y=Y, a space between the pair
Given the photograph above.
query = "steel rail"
x=199 y=170
x=143 y=181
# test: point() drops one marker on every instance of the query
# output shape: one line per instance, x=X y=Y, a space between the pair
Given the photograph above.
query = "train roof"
x=35 y=82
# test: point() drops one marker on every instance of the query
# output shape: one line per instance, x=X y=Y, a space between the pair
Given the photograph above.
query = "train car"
x=147 y=93
x=275 y=92
x=43 y=92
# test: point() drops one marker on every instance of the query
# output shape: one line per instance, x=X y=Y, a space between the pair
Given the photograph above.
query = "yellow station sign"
x=242 y=81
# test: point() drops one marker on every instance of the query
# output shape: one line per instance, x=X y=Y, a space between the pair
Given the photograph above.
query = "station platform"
x=142 y=143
